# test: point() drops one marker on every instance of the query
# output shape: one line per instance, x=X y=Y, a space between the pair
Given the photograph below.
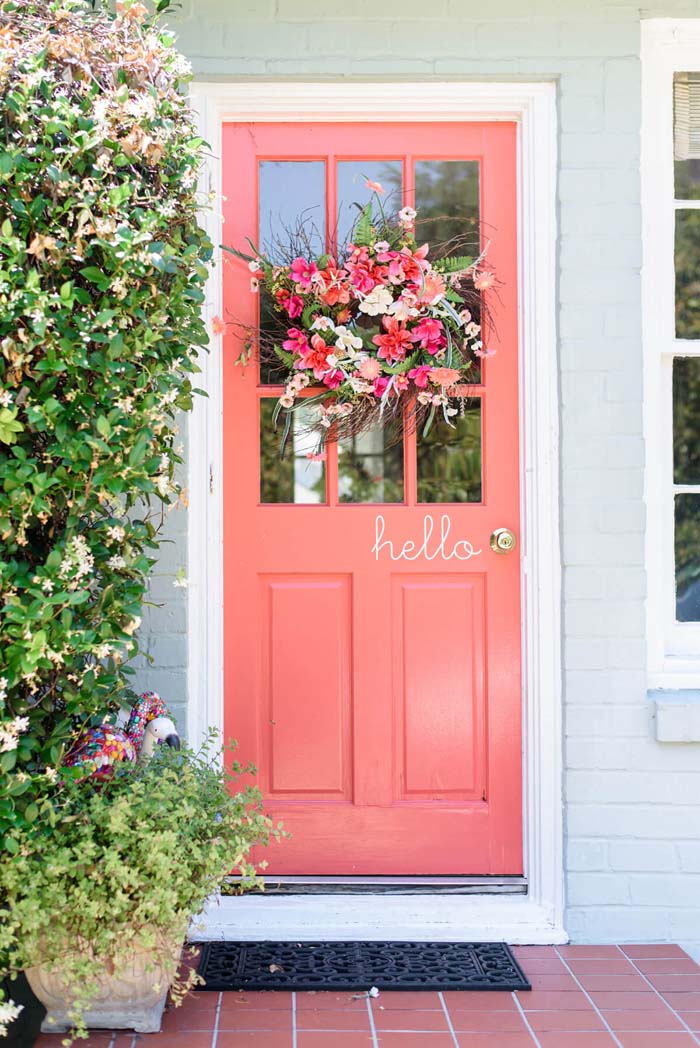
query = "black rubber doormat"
x=360 y=966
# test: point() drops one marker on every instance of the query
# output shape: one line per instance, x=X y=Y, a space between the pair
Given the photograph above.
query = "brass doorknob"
x=503 y=540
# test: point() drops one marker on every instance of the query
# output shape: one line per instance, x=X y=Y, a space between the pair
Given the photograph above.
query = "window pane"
x=687 y=178
x=686 y=135
x=368 y=470
x=687 y=546
x=351 y=188
x=447 y=200
x=449 y=457
x=296 y=477
x=686 y=420
x=687 y=255
x=292 y=207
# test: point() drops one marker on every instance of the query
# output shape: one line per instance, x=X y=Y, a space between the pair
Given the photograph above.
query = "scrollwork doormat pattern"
x=359 y=966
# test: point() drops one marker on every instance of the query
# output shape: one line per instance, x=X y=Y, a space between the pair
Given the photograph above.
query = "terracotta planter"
x=131 y=999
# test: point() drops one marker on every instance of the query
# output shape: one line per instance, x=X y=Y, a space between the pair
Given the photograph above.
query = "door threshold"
x=300 y=885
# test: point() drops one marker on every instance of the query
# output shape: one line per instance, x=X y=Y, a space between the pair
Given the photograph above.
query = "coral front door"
x=372 y=634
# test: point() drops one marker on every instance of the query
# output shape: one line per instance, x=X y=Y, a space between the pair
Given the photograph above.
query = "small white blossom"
x=377 y=301
x=116 y=533
x=50 y=774
x=116 y=562
x=323 y=324
x=346 y=341
x=8 y=1013
x=77 y=559
x=5 y=398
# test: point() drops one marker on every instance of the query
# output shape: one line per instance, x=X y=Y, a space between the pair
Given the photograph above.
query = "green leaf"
x=362 y=230
x=103 y=426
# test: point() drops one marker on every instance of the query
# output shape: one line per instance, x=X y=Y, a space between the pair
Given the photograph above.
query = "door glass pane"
x=292 y=211
x=299 y=477
x=368 y=469
x=447 y=200
x=352 y=176
x=687 y=547
x=292 y=208
x=687 y=258
x=449 y=457
x=686 y=420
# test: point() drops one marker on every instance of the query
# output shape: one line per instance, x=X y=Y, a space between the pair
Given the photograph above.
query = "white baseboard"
x=513 y=919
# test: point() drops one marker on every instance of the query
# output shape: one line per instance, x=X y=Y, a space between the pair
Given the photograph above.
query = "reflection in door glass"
x=298 y=477
x=352 y=176
x=368 y=469
x=447 y=199
x=449 y=457
x=687 y=550
x=292 y=208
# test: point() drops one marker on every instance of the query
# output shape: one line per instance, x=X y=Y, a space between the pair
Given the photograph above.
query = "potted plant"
x=100 y=894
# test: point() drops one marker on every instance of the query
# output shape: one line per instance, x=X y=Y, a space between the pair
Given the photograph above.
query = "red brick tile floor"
x=582 y=997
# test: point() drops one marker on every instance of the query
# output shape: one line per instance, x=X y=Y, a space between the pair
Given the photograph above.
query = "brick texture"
x=633 y=806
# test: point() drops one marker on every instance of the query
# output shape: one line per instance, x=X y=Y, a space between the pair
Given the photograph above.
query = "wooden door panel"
x=307 y=717
x=438 y=643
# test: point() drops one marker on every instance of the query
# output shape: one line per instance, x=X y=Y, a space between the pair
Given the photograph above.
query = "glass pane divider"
x=686 y=205
x=686 y=489
x=331 y=205
x=331 y=452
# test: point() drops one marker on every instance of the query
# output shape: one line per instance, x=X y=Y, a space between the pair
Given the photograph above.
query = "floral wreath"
x=379 y=329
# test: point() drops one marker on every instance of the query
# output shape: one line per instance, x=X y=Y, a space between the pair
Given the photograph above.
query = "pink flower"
x=374 y=186
x=485 y=352
x=370 y=368
x=380 y=385
x=430 y=333
x=444 y=376
x=484 y=281
x=316 y=456
x=218 y=326
x=401 y=383
x=420 y=375
x=303 y=272
x=296 y=341
x=333 y=379
x=315 y=357
x=396 y=342
x=292 y=303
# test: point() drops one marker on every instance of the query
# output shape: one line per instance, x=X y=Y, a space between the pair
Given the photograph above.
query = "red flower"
x=431 y=334
x=296 y=341
x=396 y=342
x=420 y=375
x=292 y=303
x=380 y=385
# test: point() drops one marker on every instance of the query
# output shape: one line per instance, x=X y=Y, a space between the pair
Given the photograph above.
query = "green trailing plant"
x=102 y=268
x=127 y=859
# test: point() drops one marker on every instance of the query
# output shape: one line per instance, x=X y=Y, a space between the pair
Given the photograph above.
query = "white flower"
x=377 y=301
x=381 y=246
x=180 y=582
x=254 y=284
x=8 y=1013
x=163 y=485
x=50 y=774
x=131 y=628
x=3 y=687
x=255 y=265
x=347 y=342
x=287 y=400
x=402 y=309
x=116 y=533
x=5 y=398
x=116 y=562
x=323 y=324
x=126 y=404
x=332 y=360
x=77 y=559
x=10 y=732
x=359 y=385
x=102 y=651
x=407 y=215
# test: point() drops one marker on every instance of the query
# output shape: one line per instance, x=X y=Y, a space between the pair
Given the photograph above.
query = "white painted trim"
x=537 y=917
x=668 y=45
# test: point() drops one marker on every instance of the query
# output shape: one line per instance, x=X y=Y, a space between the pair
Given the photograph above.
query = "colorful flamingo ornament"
x=100 y=748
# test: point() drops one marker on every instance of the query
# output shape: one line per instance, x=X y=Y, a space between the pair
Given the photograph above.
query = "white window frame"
x=538 y=916
x=668 y=46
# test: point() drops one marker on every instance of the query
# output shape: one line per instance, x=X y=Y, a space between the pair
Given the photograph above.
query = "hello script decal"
x=432 y=546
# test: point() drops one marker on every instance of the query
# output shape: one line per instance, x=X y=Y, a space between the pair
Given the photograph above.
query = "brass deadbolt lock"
x=503 y=540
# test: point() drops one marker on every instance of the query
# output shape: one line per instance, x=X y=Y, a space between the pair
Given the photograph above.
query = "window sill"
x=676 y=714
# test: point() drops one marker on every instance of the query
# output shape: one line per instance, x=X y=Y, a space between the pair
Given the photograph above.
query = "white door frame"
x=537 y=916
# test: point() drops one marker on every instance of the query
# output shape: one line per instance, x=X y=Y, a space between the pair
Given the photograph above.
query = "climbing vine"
x=102 y=267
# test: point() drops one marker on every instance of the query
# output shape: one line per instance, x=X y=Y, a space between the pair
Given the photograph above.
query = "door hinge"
x=211 y=480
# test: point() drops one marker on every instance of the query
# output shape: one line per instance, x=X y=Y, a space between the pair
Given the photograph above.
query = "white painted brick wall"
x=633 y=805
